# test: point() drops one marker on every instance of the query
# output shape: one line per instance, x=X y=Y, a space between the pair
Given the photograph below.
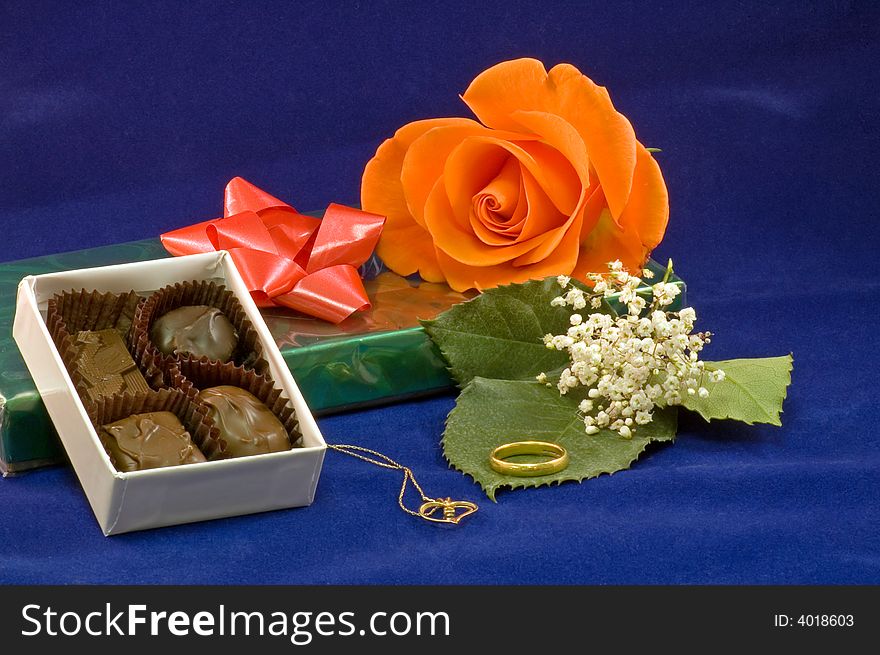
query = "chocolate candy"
x=198 y=330
x=149 y=441
x=246 y=425
x=104 y=364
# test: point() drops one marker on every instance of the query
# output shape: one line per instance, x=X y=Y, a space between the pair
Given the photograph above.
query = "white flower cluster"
x=631 y=362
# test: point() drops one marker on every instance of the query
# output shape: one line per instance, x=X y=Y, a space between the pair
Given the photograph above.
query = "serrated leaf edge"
x=430 y=328
x=776 y=420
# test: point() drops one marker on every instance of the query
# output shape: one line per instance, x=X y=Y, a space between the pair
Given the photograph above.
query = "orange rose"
x=552 y=181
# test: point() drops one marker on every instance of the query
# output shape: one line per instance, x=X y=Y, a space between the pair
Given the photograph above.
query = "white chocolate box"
x=123 y=502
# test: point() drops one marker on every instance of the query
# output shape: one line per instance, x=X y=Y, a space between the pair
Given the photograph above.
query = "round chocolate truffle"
x=149 y=441
x=197 y=330
x=246 y=425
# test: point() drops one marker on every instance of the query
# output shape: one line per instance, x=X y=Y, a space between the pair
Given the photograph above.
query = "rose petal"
x=404 y=250
x=410 y=249
x=549 y=246
x=494 y=205
x=561 y=135
x=473 y=164
x=477 y=159
x=497 y=94
x=606 y=242
x=426 y=156
x=542 y=220
x=648 y=206
x=462 y=277
x=560 y=251
x=512 y=226
x=641 y=228
x=557 y=176
x=500 y=91
x=502 y=193
x=450 y=219
x=541 y=214
x=593 y=208
x=458 y=240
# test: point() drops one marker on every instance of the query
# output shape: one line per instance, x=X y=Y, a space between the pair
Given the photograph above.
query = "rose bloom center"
x=514 y=191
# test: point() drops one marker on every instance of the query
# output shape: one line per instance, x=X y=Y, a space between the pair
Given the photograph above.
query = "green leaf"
x=493 y=412
x=498 y=334
x=752 y=390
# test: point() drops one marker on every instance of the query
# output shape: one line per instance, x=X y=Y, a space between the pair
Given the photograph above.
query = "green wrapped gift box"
x=374 y=357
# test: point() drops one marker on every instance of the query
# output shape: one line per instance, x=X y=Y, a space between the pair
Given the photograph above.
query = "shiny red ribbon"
x=287 y=258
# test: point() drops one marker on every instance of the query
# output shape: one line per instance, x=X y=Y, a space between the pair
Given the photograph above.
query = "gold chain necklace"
x=436 y=510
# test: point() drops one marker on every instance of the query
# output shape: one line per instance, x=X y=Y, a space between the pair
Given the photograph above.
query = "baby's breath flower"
x=665 y=293
x=575 y=298
x=629 y=363
x=636 y=305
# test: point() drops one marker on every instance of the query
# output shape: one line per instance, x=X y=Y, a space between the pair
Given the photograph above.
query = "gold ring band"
x=527 y=470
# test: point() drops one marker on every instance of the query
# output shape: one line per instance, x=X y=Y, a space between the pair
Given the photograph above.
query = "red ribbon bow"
x=284 y=257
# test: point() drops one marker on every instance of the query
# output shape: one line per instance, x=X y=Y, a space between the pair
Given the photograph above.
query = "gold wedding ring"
x=558 y=461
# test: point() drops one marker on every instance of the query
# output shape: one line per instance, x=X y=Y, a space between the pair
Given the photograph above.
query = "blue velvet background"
x=119 y=121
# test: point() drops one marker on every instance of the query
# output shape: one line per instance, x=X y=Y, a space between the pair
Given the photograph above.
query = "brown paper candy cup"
x=192 y=415
x=74 y=311
x=191 y=376
x=249 y=350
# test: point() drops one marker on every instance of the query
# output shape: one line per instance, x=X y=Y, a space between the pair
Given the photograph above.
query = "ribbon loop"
x=241 y=196
x=346 y=236
x=309 y=294
x=284 y=257
x=244 y=230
